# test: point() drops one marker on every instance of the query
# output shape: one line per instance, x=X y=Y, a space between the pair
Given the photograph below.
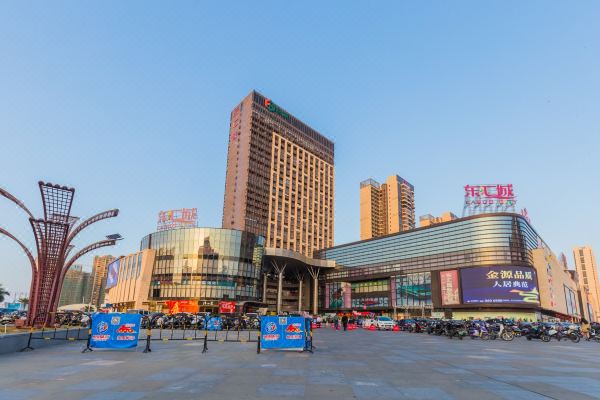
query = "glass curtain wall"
x=205 y=263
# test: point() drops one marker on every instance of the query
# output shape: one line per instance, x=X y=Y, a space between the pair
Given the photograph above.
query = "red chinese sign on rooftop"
x=183 y=218
x=486 y=198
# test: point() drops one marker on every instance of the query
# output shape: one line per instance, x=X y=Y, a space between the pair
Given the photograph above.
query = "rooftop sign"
x=487 y=198
x=275 y=108
x=183 y=218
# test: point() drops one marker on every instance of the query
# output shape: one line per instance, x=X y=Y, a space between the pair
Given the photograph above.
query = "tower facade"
x=587 y=272
x=386 y=208
x=280 y=178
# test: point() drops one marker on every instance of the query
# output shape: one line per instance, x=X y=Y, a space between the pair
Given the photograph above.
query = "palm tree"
x=24 y=300
x=3 y=293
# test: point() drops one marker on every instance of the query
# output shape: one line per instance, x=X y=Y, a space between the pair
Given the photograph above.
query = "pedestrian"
x=345 y=322
x=336 y=322
x=585 y=329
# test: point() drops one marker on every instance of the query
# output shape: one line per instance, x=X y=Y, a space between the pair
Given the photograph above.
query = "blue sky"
x=129 y=104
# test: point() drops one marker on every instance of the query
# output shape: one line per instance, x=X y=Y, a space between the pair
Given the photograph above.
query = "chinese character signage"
x=227 y=307
x=115 y=331
x=449 y=286
x=113 y=274
x=183 y=218
x=480 y=199
x=284 y=332
x=499 y=285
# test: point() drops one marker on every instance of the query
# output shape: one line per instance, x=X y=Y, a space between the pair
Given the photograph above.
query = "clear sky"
x=129 y=104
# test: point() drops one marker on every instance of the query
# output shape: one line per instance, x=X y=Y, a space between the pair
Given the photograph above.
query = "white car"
x=384 y=323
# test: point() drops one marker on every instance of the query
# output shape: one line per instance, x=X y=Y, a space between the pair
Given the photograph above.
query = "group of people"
x=343 y=320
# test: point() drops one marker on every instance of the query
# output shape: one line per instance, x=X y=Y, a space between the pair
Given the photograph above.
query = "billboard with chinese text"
x=183 y=218
x=499 y=285
x=449 y=287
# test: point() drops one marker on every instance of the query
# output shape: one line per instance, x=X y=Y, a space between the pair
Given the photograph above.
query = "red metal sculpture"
x=53 y=236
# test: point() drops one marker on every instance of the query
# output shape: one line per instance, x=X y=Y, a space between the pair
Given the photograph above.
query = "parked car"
x=384 y=323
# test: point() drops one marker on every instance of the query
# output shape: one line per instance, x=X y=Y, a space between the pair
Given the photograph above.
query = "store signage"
x=182 y=218
x=489 y=198
x=449 y=286
x=499 y=285
x=227 y=307
x=115 y=330
x=179 y=306
x=275 y=108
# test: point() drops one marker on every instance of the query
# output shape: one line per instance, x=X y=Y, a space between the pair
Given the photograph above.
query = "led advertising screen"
x=337 y=295
x=499 y=285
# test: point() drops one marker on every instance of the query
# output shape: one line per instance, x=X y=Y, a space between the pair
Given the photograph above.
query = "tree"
x=3 y=293
x=24 y=300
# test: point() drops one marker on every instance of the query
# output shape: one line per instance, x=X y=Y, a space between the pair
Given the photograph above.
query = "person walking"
x=336 y=322
x=345 y=322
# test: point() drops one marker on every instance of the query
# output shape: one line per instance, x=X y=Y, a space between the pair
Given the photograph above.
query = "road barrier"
x=66 y=334
x=148 y=336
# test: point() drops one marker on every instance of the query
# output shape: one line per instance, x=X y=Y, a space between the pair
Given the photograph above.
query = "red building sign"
x=486 y=198
x=226 y=307
x=171 y=219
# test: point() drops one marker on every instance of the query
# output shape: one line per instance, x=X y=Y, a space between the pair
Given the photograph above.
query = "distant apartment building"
x=75 y=288
x=428 y=219
x=587 y=271
x=280 y=178
x=386 y=208
x=98 y=279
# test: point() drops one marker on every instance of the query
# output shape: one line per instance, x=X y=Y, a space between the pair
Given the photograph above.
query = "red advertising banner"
x=226 y=307
x=182 y=306
x=449 y=285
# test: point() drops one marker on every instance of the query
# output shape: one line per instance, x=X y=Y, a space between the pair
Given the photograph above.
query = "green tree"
x=24 y=300
x=3 y=293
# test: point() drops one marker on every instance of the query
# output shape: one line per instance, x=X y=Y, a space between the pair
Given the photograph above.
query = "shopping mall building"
x=197 y=268
x=480 y=266
x=486 y=265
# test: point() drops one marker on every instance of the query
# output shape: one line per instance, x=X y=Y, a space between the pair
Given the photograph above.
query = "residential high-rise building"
x=587 y=271
x=428 y=219
x=386 y=208
x=75 y=288
x=98 y=279
x=280 y=178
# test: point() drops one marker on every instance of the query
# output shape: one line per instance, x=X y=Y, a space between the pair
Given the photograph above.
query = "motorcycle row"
x=9 y=317
x=199 y=321
x=501 y=329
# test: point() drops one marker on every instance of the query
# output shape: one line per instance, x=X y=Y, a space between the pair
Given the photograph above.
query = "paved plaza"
x=357 y=364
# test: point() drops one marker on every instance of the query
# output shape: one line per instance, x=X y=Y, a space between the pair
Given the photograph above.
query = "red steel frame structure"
x=53 y=237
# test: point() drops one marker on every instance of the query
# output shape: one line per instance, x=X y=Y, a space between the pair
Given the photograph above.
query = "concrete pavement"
x=356 y=364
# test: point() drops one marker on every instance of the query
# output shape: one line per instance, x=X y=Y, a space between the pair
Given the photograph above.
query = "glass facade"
x=413 y=290
x=205 y=263
x=492 y=239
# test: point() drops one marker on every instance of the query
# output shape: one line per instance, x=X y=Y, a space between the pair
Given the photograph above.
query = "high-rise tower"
x=280 y=177
x=386 y=208
x=587 y=271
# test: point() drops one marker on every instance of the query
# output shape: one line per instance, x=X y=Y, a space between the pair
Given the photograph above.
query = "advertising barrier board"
x=214 y=324
x=282 y=332
x=115 y=330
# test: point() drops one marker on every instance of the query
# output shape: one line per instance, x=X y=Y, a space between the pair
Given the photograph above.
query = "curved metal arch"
x=90 y=221
x=25 y=249
x=87 y=249
x=18 y=202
